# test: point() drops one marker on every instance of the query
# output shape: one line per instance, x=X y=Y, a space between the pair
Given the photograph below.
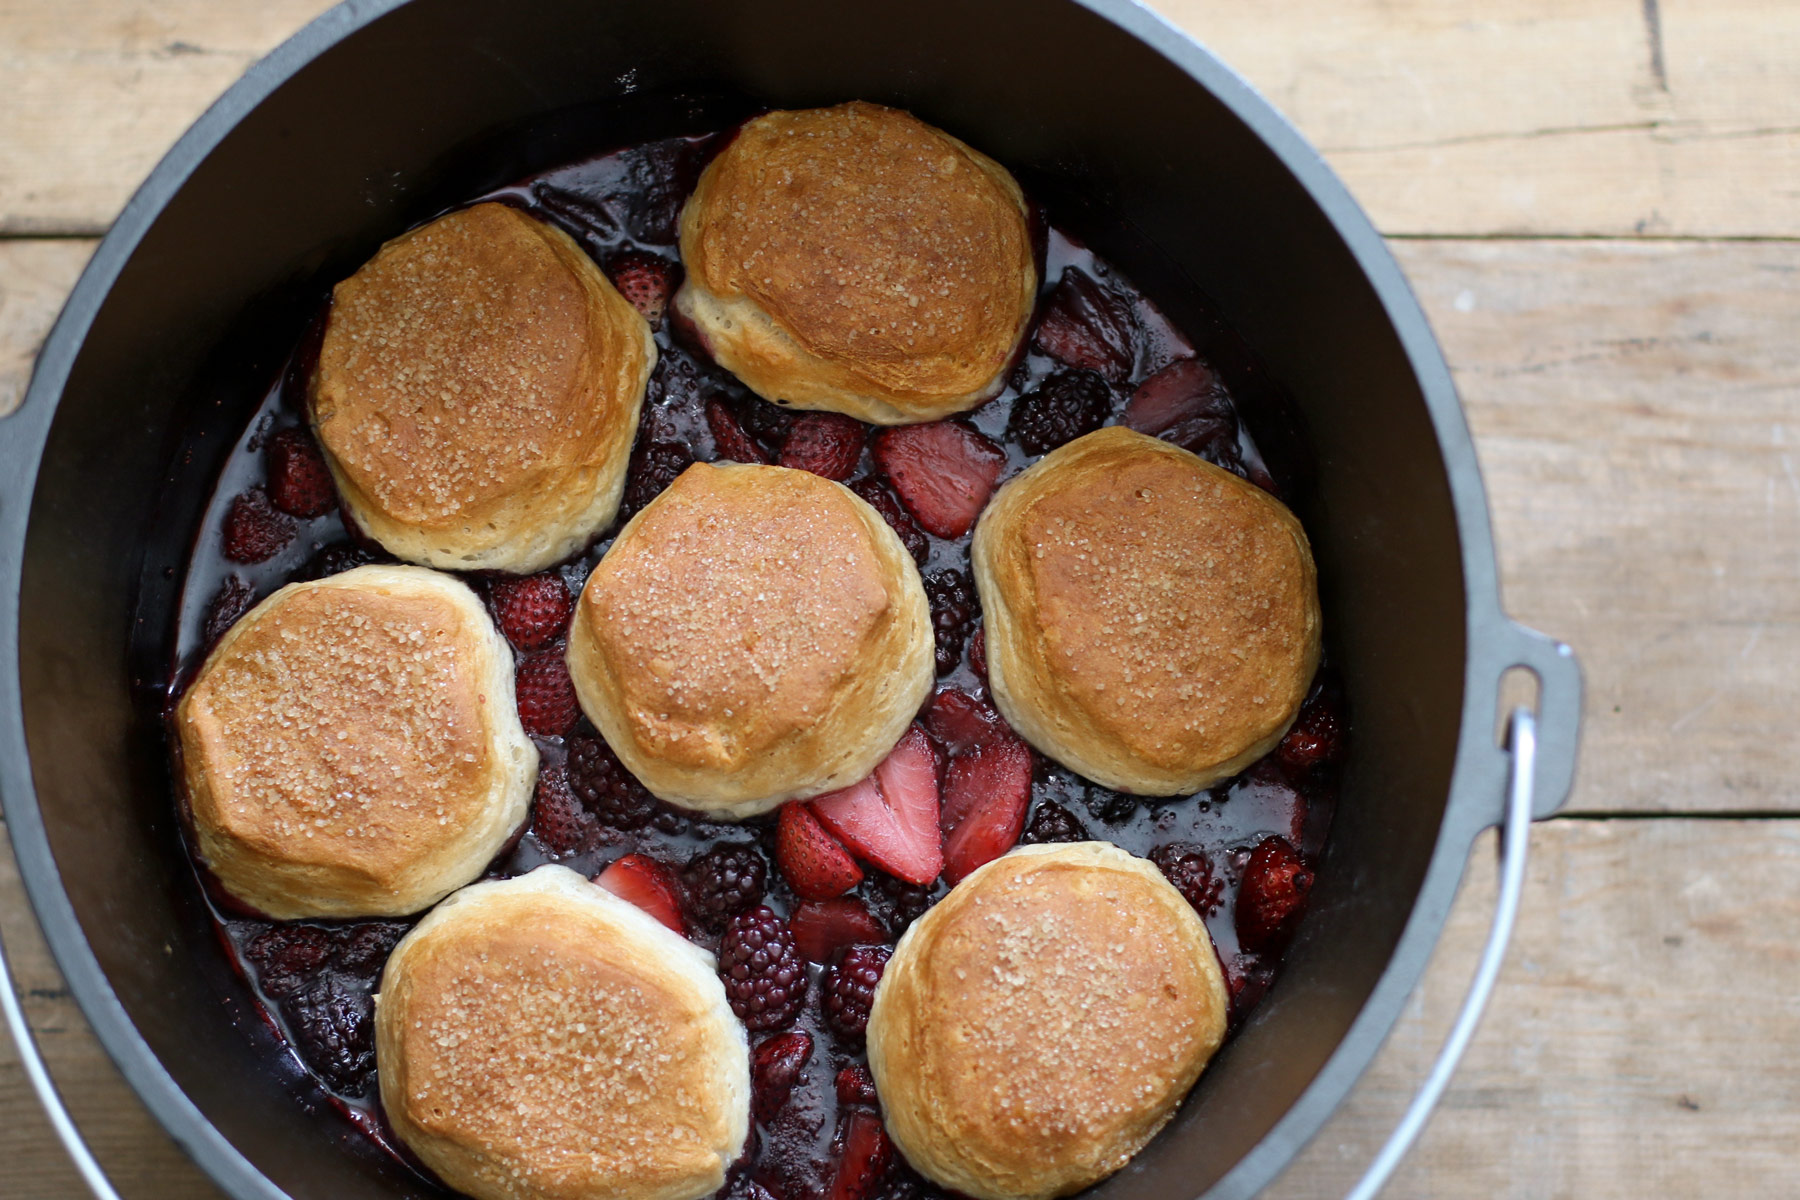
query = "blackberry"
x=954 y=608
x=883 y=501
x=895 y=902
x=1108 y=805
x=337 y=558
x=1188 y=868
x=723 y=882
x=850 y=990
x=365 y=948
x=765 y=979
x=285 y=955
x=767 y=423
x=334 y=1033
x=235 y=598
x=1052 y=823
x=604 y=787
x=1064 y=406
x=654 y=466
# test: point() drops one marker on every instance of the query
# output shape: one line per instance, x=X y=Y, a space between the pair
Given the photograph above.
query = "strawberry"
x=545 y=694
x=532 y=611
x=816 y=864
x=978 y=652
x=254 y=531
x=823 y=927
x=1087 y=324
x=1274 y=890
x=1187 y=405
x=856 y=1087
x=986 y=793
x=299 y=483
x=867 y=1156
x=961 y=723
x=558 y=821
x=775 y=1067
x=646 y=883
x=828 y=444
x=647 y=281
x=944 y=472
x=1316 y=738
x=891 y=817
x=734 y=444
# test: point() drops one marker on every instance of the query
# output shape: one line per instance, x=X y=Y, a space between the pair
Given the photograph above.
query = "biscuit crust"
x=754 y=635
x=1152 y=620
x=351 y=749
x=1037 y=1027
x=858 y=260
x=538 y=1038
x=477 y=392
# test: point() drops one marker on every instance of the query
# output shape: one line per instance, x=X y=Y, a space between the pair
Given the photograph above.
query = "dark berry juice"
x=1099 y=353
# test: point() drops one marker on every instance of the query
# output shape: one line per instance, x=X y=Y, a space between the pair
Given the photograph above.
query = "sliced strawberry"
x=775 y=1067
x=1179 y=392
x=986 y=793
x=960 y=722
x=856 y=1087
x=816 y=864
x=823 y=927
x=546 y=695
x=1274 y=891
x=533 y=611
x=898 y=831
x=944 y=472
x=647 y=281
x=735 y=445
x=299 y=482
x=978 y=651
x=1087 y=324
x=827 y=444
x=867 y=1155
x=647 y=884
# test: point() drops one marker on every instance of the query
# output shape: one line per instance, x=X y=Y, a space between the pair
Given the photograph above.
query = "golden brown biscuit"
x=478 y=390
x=1152 y=620
x=858 y=260
x=754 y=635
x=1036 y=1028
x=351 y=749
x=538 y=1038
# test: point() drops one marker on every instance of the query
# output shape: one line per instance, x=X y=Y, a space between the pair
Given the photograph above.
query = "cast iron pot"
x=378 y=113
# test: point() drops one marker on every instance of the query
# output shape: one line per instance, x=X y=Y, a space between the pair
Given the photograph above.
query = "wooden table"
x=1598 y=202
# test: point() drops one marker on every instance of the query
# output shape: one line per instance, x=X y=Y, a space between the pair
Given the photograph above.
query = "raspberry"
x=337 y=558
x=724 y=882
x=531 y=611
x=1188 y=868
x=775 y=1067
x=654 y=466
x=546 y=694
x=605 y=787
x=334 y=1033
x=954 y=607
x=1275 y=886
x=1052 y=823
x=561 y=825
x=895 y=902
x=855 y=1086
x=235 y=598
x=1064 y=406
x=883 y=501
x=254 y=530
x=850 y=990
x=299 y=482
x=365 y=948
x=765 y=979
x=285 y=955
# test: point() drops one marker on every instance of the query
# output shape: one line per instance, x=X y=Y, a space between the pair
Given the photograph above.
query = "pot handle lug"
x=1515 y=833
x=1557 y=710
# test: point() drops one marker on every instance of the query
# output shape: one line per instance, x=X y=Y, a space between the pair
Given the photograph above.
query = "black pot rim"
x=1494 y=642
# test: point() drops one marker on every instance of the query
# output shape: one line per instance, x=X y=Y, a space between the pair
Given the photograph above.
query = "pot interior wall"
x=446 y=95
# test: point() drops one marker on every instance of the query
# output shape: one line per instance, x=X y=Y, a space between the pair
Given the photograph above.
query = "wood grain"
x=35 y=278
x=1445 y=116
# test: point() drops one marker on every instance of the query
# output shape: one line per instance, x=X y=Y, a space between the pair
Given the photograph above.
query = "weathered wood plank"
x=35 y=279
x=1637 y=413
x=1643 y=1025
x=1445 y=116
